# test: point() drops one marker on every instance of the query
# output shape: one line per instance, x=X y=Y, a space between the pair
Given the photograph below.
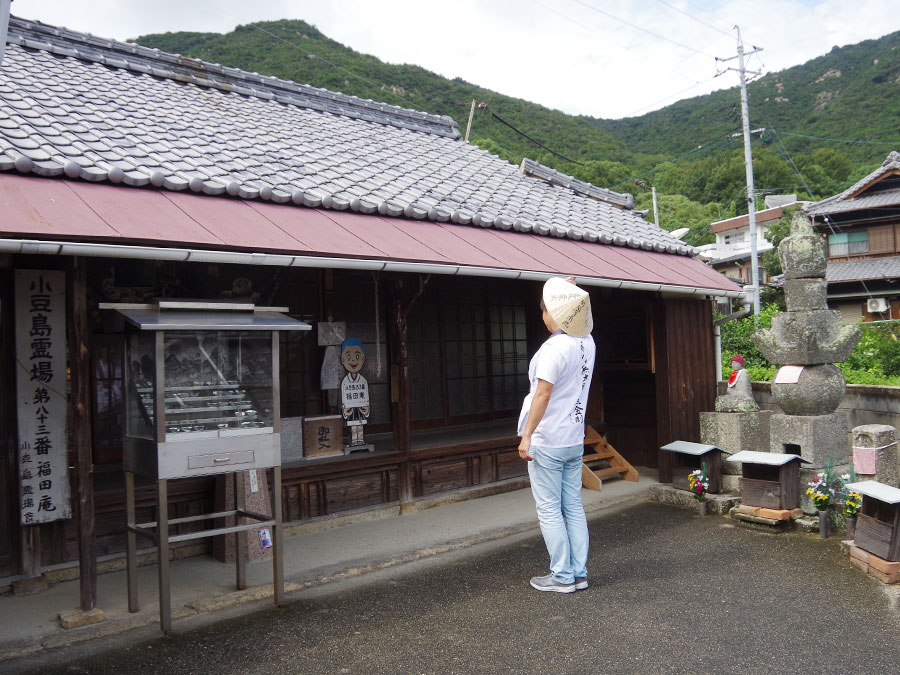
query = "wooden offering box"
x=687 y=457
x=769 y=480
x=878 y=523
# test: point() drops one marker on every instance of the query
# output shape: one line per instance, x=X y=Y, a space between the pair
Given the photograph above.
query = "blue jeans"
x=556 y=485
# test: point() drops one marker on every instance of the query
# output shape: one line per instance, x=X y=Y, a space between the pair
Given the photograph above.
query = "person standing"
x=551 y=426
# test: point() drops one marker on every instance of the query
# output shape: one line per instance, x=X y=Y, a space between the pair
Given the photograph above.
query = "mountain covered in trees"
x=826 y=123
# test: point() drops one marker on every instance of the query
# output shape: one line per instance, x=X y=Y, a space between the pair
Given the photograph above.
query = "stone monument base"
x=735 y=432
x=816 y=438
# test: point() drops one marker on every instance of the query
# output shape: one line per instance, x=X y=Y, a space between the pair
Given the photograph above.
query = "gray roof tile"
x=867 y=269
x=865 y=197
x=89 y=109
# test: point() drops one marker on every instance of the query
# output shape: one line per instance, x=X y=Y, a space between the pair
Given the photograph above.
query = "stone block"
x=668 y=495
x=879 y=439
x=796 y=513
x=803 y=254
x=291 y=439
x=748 y=510
x=76 y=618
x=807 y=338
x=30 y=586
x=805 y=294
x=731 y=483
x=257 y=501
x=814 y=437
x=735 y=432
x=774 y=514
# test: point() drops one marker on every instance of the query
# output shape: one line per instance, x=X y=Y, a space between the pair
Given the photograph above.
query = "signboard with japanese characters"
x=322 y=436
x=41 y=395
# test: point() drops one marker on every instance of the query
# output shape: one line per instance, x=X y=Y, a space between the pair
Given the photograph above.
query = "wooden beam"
x=80 y=431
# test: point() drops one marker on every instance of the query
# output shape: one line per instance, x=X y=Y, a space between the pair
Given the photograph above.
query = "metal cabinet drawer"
x=235 y=458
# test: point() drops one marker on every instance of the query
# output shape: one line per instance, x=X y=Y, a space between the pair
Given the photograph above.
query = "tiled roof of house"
x=76 y=106
x=865 y=197
x=865 y=269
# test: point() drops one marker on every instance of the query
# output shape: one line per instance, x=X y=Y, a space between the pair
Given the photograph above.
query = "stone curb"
x=115 y=626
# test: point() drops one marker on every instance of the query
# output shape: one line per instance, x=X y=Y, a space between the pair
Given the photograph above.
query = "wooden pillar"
x=400 y=384
x=80 y=431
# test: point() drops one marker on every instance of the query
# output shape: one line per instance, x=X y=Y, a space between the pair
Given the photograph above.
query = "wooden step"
x=611 y=471
x=602 y=450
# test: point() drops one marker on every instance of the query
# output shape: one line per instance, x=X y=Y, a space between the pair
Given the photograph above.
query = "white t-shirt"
x=566 y=362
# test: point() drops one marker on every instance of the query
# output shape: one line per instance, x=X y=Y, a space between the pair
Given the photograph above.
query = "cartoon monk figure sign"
x=354 y=394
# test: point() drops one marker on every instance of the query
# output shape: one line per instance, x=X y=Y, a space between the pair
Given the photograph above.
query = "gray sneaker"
x=580 y=583
x=548 y=583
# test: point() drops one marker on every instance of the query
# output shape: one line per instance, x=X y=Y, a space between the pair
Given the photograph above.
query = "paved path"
x=670 y=593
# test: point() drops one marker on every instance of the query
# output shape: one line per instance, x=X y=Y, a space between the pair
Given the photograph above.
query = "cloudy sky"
x=592 y=57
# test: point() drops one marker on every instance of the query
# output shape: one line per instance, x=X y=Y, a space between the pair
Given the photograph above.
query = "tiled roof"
x=91 y=109
x=845 y=201
x=866 y=269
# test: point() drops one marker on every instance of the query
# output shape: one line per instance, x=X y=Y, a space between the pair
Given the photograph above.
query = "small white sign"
x=265 y=539
x=788 y=374
x=254 y=481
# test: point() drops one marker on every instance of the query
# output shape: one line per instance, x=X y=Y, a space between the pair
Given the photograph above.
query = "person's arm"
x=538 y=407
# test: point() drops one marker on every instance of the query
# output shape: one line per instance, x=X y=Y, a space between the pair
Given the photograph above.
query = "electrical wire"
x=679 y=93
x=691 y=16
x=641 y=28
x=838 y=140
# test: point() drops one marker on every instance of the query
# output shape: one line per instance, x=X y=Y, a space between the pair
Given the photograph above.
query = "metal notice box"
x=202 y=398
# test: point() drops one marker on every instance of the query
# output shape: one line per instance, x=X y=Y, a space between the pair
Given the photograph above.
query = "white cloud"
x=565 y=54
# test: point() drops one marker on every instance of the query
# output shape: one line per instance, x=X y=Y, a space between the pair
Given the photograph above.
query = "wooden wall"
x=326 y=487
x=685 y=372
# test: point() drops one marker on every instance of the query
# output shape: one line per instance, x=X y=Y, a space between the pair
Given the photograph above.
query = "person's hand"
x=524 y=449
x=571 y=280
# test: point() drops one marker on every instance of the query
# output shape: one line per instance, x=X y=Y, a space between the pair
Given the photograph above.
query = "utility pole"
x=642 y=184
x=469 y=125
x=748 y=165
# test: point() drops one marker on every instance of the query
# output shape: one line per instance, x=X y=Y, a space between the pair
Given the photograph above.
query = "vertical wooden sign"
x=41 y=401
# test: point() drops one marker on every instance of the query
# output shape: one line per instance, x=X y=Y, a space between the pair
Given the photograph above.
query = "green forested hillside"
x=686 y=149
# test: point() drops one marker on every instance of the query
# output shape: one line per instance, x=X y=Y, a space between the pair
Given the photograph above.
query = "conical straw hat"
x=569 y=306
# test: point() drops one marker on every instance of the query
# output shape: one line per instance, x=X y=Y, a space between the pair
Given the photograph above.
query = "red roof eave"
x=52 y=209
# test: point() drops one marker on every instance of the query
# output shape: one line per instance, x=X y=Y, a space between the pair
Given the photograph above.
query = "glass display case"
x=201 y=383
x=202 y=388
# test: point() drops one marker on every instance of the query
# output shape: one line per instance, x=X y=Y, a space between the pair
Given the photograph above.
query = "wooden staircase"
x=591 y=479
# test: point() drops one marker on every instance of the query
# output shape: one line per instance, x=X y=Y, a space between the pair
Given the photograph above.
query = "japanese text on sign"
x=41 y=395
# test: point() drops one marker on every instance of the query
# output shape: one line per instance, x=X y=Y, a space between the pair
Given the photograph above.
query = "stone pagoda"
x=806 y=341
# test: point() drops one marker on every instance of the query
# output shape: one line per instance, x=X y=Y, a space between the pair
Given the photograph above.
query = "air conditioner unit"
x=877 y=305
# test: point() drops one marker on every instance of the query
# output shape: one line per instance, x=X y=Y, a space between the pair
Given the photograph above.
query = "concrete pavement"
x=317 y=554
x=670 y=592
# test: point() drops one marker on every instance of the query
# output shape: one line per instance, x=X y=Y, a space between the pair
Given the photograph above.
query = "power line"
x=838 y=140
x=691 y=16
x=536 y=142
x=641 y=28
x=679 y=93
x=790 y=162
